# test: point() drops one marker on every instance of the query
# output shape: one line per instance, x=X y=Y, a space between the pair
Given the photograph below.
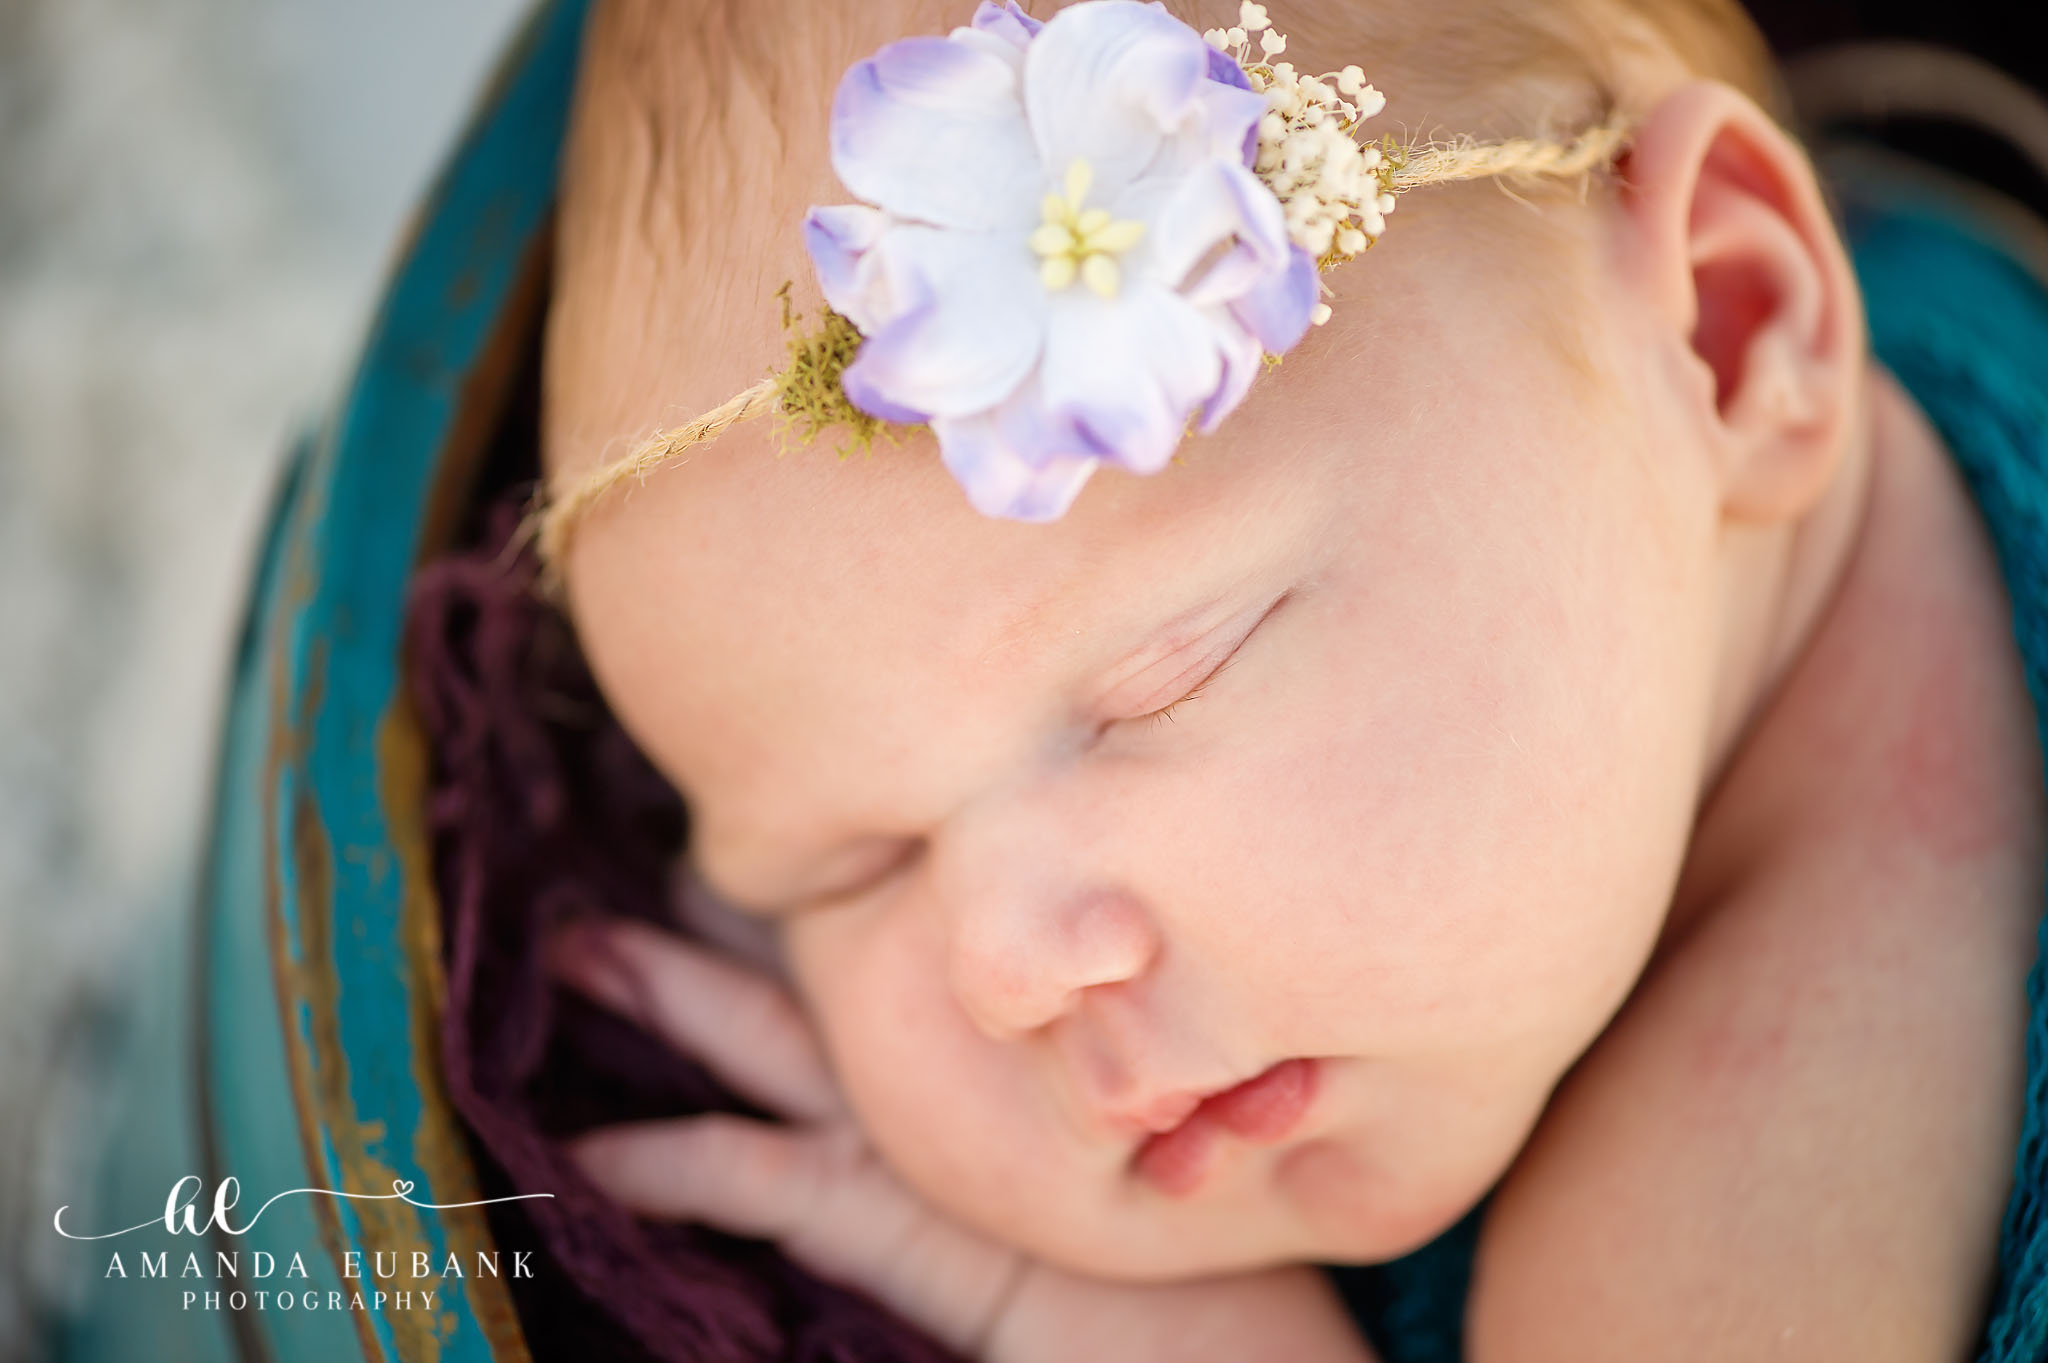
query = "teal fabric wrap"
x=1964 y=326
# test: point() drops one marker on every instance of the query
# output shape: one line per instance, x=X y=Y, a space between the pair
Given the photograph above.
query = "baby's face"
x=1448 y=604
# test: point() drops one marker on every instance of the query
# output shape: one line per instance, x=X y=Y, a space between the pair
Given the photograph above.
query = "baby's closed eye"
x=1165 y=712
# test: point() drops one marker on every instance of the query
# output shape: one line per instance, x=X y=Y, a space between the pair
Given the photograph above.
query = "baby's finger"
x=823 y=1196
x=742 y=1176
x=742 y=1025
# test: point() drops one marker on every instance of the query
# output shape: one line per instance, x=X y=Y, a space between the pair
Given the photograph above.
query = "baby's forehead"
x=791 y=554
x=785 y=637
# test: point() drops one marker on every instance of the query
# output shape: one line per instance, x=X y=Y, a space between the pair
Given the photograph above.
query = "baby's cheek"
x=867 y=1013
x=949 y=1110
x=1441 y=867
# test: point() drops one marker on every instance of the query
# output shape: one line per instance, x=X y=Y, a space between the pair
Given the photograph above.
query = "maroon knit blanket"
x=542 y=811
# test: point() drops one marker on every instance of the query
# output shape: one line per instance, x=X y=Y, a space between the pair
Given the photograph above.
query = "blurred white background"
x=196 y=201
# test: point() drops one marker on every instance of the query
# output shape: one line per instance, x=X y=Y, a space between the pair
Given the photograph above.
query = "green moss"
x=811 y=398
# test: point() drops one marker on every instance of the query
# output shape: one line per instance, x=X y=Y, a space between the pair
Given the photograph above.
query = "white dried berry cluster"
x=1336 y=192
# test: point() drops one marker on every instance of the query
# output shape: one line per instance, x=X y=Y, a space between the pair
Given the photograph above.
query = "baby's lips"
x=1266 y=1107
x=1261 y=1110
x=1176 y=1162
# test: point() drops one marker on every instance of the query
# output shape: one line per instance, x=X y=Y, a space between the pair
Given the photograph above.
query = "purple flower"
x=1063 y=255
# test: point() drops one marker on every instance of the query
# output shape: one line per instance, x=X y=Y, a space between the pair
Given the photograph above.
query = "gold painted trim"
x=286 y=748
x=403 y=774
x=306 y=981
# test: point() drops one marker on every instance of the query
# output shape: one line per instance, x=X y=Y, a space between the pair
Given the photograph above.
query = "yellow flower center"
x=1076 y=243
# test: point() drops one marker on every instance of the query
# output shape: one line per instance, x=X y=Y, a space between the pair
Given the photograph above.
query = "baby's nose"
x=1018 y=960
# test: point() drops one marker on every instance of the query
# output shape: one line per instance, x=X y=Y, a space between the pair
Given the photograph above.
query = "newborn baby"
x=1562 y=735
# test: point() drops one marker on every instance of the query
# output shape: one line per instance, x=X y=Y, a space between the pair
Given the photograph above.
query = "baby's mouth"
x=1262 y=1110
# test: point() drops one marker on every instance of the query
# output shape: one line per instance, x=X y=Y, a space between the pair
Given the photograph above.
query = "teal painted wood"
x=252 y=1130
x=314 y=1050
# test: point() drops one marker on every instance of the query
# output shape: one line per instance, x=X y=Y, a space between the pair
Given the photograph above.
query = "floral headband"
x=1079 y=240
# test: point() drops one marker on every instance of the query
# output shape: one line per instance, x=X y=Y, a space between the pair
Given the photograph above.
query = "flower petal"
x=999 y=48
x=1128 y=372
x=1006 y=21
x=1277 y=310
x=1231 y=114
x=1222 y=125
x=971 y=329
x=1000 y=29
x=1224 y=70
x=1107 y=83
x=841 y=240
x=1217 y=204
x=1013 y=462
x=1243 y=357
x=932 y=129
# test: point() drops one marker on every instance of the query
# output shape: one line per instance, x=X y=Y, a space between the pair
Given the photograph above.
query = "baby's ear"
x=1734 y=246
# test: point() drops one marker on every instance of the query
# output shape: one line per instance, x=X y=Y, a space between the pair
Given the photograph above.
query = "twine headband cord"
x=1518 y=158
x=1303 y=145
x=551 y=520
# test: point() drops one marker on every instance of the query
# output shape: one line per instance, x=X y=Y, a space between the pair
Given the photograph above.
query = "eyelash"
x=1165 y=712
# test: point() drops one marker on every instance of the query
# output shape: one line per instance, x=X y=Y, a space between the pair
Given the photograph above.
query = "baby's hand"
x=815 y=1186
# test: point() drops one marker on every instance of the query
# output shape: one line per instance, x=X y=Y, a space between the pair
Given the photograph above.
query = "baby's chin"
x=1327 y=1198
